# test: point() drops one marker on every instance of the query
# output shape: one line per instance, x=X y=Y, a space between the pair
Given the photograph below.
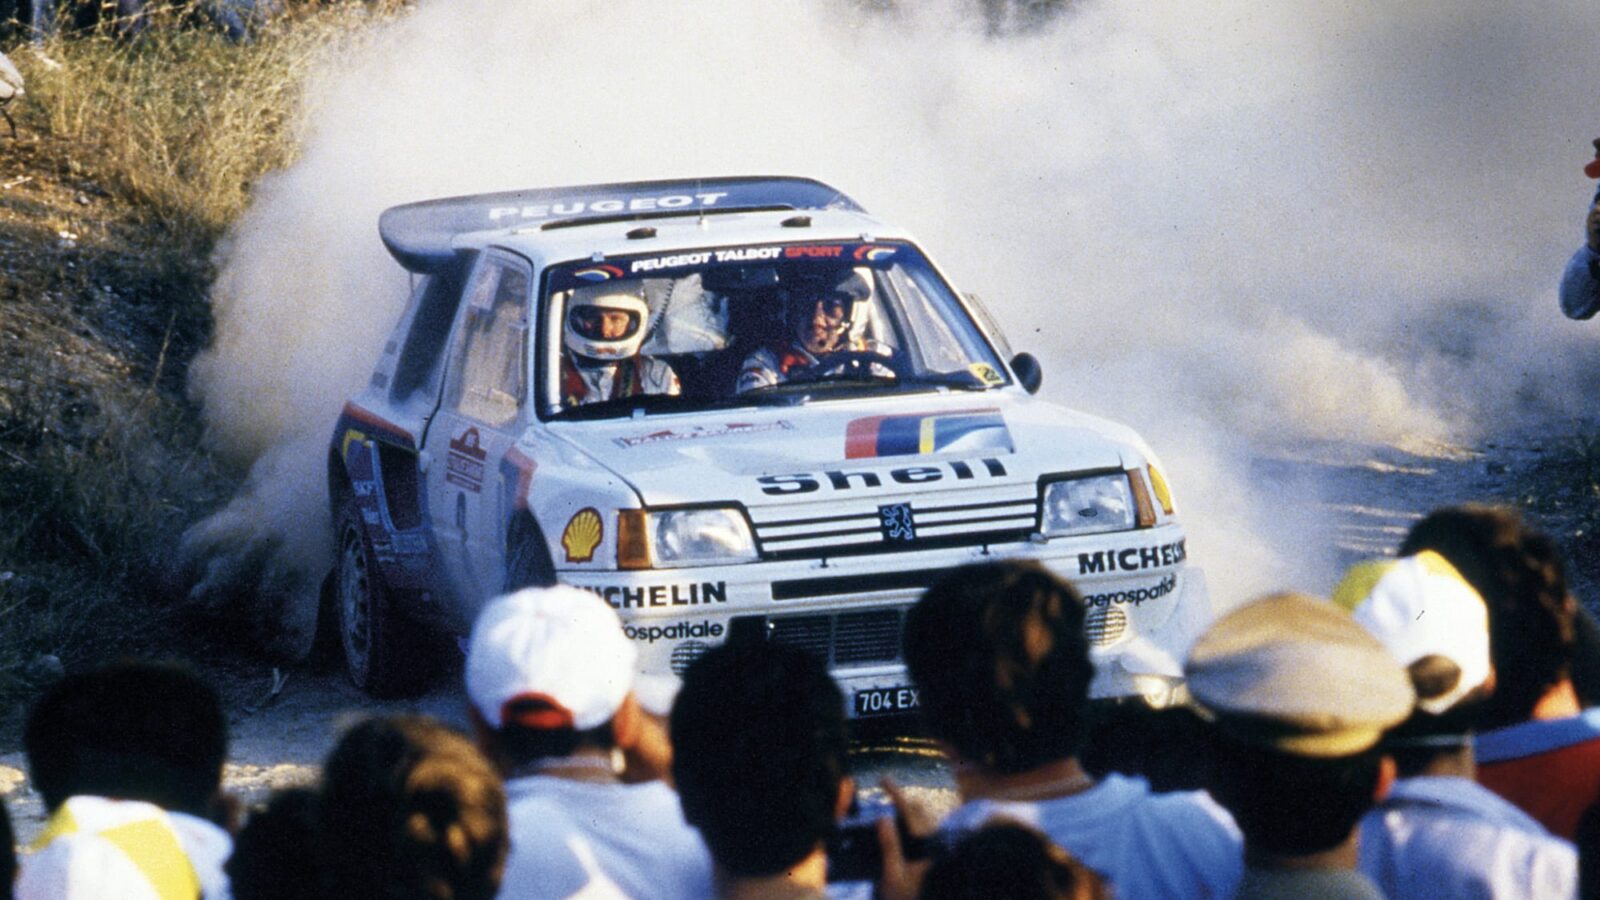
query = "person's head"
x=823 y=323
x=825 y=316
x=410 y=808
x=1435 y=625
x=605 y=323
x=1009 y=859
x=549 y=671
x=1001 y=664
x=759 y=741
x=274 y=855
x=1291 y=805
x=129 y=731
x=1299 y=696
x=1519 y=572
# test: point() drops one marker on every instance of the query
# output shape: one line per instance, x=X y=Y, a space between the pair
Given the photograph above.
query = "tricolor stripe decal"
x=920 y=434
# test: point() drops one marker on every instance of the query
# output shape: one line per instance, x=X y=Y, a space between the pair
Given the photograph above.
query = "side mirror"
x=1026 y=365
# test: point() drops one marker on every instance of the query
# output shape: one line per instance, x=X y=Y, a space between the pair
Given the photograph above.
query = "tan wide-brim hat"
x=1297 y=674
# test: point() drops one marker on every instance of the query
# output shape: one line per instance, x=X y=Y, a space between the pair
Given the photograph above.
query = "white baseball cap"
x=549 y=658
x=1420 y=606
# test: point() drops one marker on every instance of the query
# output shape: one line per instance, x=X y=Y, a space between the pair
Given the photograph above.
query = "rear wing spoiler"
x=421 y=235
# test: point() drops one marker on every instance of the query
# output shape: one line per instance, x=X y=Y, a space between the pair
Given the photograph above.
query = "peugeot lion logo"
x=897 y=523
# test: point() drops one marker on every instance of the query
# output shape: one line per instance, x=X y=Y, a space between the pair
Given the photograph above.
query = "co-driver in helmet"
x=605 y=327
x=825 y=321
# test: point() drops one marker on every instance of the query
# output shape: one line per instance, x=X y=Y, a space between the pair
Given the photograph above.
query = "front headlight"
x=1089 y=505
x=684 y=537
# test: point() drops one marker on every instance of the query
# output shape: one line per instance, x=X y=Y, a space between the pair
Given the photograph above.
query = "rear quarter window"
x=418 y=367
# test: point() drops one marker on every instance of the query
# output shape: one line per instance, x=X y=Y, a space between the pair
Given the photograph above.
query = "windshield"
x=754 y=325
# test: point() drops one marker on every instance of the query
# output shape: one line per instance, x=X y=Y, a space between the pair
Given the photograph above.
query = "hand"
x=901 y=878
x=848 y=365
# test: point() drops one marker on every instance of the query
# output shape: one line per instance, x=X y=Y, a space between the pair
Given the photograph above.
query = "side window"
x=418 y=366
x=989 y=325
x=486 y=378
x=940 y=342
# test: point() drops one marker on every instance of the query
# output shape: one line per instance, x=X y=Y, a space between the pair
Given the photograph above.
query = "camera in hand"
x=853 y=850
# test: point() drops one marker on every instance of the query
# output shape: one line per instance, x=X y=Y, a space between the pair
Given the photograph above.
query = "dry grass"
x=132 y=160
x=181 y=122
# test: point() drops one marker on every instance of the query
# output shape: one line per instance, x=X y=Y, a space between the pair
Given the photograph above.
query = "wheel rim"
x=355 y=602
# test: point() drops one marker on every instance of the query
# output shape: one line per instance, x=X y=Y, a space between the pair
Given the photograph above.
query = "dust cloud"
x=1247 y=226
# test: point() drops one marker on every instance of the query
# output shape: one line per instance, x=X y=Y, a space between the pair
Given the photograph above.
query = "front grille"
x=854 y=585
x=955 y=519
x=872 y=636
x=842 y=639
x=810 y=633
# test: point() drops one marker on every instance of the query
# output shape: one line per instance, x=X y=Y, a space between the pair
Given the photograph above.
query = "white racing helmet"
x=585 y=331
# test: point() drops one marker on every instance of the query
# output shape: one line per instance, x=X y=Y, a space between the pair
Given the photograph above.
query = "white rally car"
x=631 y=388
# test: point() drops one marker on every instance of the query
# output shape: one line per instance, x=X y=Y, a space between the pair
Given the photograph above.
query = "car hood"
x=754 y=456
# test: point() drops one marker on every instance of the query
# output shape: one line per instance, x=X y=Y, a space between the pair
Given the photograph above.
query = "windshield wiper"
x=761 y=397
x=959 y=381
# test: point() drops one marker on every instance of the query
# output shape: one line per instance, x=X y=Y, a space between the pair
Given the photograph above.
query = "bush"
x=181 y=122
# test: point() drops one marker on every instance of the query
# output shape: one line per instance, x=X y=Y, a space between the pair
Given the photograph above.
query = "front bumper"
x=1145 y=606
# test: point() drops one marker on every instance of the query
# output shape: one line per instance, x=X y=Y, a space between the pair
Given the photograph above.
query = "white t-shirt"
x=581 y=839
x=1144 y=844
x=1452 y=837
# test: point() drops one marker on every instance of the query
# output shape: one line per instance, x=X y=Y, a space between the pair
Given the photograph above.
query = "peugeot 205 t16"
x=735 y=408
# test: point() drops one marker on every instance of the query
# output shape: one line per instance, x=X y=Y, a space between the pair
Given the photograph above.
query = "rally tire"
x=327 y=651
x=380 y=645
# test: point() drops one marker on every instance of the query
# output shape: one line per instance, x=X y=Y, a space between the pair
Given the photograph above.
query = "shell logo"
x=583 y=533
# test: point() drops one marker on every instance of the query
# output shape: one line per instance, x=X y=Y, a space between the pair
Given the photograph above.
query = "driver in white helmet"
x=825 y=323
x=605 y=327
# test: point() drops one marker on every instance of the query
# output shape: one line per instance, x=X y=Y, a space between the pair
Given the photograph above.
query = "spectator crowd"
x=1428 y=731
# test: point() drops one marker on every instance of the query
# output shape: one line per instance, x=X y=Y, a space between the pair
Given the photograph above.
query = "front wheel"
x=377 y=640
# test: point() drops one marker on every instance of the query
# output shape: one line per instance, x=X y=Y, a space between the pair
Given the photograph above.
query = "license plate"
x=885 y=701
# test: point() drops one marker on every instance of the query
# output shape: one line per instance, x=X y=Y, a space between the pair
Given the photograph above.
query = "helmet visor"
x=603 y=323
x=836 y=306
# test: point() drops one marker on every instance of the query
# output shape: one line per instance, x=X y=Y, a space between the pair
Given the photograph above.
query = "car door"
x=481 y=413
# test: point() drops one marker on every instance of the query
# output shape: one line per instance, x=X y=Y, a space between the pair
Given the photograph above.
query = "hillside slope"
x=100 y=459
x=129 y=164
